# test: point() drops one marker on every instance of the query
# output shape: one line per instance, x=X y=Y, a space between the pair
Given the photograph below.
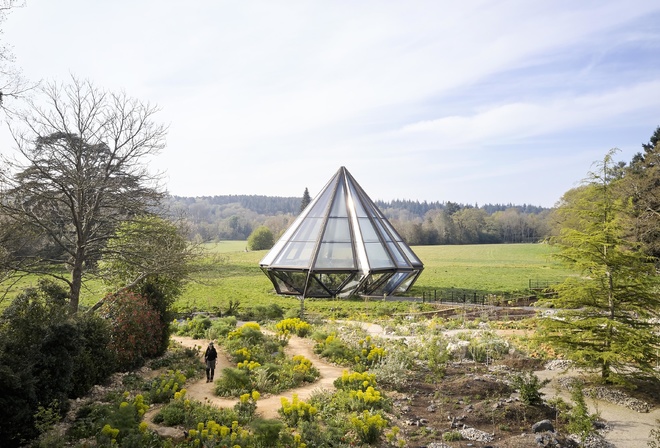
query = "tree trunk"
x=76 y=281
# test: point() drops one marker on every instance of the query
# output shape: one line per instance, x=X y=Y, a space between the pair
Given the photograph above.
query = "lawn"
x=488 y=268
x=229 y=273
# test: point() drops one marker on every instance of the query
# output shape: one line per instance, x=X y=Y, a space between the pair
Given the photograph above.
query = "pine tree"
x=604 y=319
x=306 y=199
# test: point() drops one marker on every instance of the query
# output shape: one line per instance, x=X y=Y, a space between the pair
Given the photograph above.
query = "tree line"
x=235 y=217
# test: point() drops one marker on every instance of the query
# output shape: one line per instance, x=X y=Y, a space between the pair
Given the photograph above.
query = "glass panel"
x=333 y=281
x=369 y=234
x=335 y=255
x=378 y=257
x=359 y=209
x=308 y=230
x=337 y=230
x=392 y=230
x=409 y=253
x=295 y=255
x=396 y=279
x=398 y=257
x=316 y=289
x=339 y=204
x=404 y=286
x=321 y=205
x=381 y=230
x=290 y=282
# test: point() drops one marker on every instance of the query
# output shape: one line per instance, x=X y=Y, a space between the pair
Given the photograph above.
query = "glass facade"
x=341 y=245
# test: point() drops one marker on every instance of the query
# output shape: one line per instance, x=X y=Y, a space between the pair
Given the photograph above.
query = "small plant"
x=580 y=421
x=165 y=386
x=369 y=427
x=529 y=386
x=296 y=410
x=452 y=436
x=247 y=405
x=293 y=326
x=355 y=381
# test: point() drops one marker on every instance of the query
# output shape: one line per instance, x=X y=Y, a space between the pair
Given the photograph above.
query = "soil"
x=468 y=395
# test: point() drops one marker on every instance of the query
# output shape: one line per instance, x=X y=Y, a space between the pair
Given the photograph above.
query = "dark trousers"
x=210 y=368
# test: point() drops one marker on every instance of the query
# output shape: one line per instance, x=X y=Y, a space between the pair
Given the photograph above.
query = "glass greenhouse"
x=341 y=245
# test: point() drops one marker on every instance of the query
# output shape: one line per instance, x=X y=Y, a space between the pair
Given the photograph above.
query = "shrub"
x=355 y=381
x=296 y=410
x=135 y=328
x=196 y=327
x=293 y=326
x=369 y=427
x=580 y=421
x=220 y=328
x=452 y=436
x=529 y=386
x=165 y=386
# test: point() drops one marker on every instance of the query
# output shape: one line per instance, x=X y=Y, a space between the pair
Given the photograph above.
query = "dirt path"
x=629 y=429
x=268 y=405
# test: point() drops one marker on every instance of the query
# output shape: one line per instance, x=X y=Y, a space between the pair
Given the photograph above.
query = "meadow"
x=229 y=274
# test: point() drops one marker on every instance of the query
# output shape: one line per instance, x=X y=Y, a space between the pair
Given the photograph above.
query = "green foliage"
x=293 y=326
x=452 y=436
x=46 y=356
x=135 y=328
x=183 y=412
x=261 y=239
x=165 y=386
x=261 y=364
x=580 y=421
x=114 y=424
x=605 y=315
x=296 y=410
x=355 y=381
x=215 y=434
x=529 y=386
x=179 y=358
x=369 y=426
x=221 y=327
x=247 y=406
x=196 y=327
x=151 y=257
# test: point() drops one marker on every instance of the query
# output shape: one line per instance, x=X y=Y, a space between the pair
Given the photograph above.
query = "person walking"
x=210 y=357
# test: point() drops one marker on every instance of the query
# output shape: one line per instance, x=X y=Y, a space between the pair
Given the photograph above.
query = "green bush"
x=368 y=426
x=529 y=386
x=165 y=386
x=195 y=328
x=221 y=327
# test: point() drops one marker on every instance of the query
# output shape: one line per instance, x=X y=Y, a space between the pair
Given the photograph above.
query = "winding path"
x=267 y=405
x=629 y=429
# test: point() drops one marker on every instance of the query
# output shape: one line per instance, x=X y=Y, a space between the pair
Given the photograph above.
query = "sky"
x=472 y=102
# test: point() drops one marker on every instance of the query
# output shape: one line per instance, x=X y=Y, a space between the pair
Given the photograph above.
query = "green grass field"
x=229 y=273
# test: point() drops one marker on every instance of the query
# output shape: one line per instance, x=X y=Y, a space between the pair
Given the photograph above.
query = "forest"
x=234 y=217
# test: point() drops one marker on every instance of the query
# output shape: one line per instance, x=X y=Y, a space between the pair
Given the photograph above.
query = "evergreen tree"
x=642 y=183
x=306 y=199
x=605 y=316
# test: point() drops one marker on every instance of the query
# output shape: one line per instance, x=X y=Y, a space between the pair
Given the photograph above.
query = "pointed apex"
x=341 y=245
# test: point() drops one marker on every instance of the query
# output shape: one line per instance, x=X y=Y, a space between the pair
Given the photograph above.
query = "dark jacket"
x=211 y=354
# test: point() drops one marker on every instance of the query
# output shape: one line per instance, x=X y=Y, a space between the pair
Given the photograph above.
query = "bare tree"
x=80 y=170
x=12 y=82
